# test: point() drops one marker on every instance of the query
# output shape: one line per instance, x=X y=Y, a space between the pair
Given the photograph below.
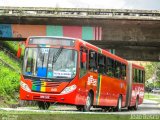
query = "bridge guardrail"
x=77 y=11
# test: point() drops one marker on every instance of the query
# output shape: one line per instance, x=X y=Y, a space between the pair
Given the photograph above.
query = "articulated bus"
x=71 y=71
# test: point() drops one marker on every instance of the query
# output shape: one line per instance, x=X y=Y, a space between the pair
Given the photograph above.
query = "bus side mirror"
x=19 y=51
x=84 y=57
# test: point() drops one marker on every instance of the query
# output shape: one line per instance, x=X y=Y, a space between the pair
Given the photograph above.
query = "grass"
x=9 y=84
x=12 y=46
x=10 y=61
x=152 y=97
x=71 y=116
x=9 y=80
x=60 y=116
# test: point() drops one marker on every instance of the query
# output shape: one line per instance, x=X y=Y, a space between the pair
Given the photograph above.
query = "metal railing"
x=38 y=11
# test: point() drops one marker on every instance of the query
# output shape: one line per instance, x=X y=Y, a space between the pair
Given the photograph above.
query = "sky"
x=108 y=4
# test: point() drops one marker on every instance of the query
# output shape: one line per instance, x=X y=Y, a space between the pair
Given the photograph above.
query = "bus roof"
x=53 y=37
x=137 y=66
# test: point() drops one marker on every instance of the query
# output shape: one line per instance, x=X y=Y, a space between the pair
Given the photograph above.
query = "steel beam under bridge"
x=130 y=50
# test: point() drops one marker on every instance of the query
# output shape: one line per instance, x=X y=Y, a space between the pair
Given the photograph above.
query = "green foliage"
x=151 y=69
x=13 y=47
x=157 y=84
x=9 y=79
x=9 y=82
x=10 y=61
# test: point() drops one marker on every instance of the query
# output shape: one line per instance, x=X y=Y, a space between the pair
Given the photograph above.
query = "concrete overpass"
x=134 y=34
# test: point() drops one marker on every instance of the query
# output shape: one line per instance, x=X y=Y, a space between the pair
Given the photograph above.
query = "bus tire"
x=119 y=104
x=129 y=108
x=79 y=108
x=43 y=105
x=135 y=107
x=88 y=104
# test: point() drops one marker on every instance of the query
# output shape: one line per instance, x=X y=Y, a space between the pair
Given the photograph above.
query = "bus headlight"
x=69 y=89
x=25 y=86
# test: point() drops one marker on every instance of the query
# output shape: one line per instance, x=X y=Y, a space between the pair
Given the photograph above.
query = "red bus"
x=72 y=71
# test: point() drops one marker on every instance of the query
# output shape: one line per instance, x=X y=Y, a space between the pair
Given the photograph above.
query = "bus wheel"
x=119 y=104
x=130 y=108
x=136 y=104
x=43 y=105
x=79 y=108
x=105 y=109
x=88 y=102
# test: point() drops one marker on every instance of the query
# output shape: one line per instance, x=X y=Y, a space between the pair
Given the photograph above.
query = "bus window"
x=92 y=61
x=42 y=60
x=139 y=73
x=117 y=69
x=49 y=63
x=83 y=65
x=101 y=64
x=141 y=76
x=110 y=67
x=135 y=75
x=113 y=67
x=138 y=76
x=123 y=74
x=30 y=62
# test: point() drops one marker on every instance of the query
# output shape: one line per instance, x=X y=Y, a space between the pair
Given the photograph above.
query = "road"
x=148 y=107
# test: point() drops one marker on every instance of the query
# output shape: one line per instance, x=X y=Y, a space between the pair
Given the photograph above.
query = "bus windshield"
x=50 y=62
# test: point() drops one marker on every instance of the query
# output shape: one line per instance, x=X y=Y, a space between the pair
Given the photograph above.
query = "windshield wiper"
x=61 y=77
x=57 y=54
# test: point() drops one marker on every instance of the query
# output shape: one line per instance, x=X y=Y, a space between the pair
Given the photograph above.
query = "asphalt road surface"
x=148 y=107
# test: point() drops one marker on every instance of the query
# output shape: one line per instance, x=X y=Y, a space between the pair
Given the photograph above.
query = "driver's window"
x=29 y=62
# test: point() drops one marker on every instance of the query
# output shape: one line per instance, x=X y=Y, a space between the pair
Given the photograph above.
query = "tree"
x=153 y=72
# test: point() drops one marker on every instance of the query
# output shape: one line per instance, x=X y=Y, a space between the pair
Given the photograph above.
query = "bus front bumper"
x=68 y=98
